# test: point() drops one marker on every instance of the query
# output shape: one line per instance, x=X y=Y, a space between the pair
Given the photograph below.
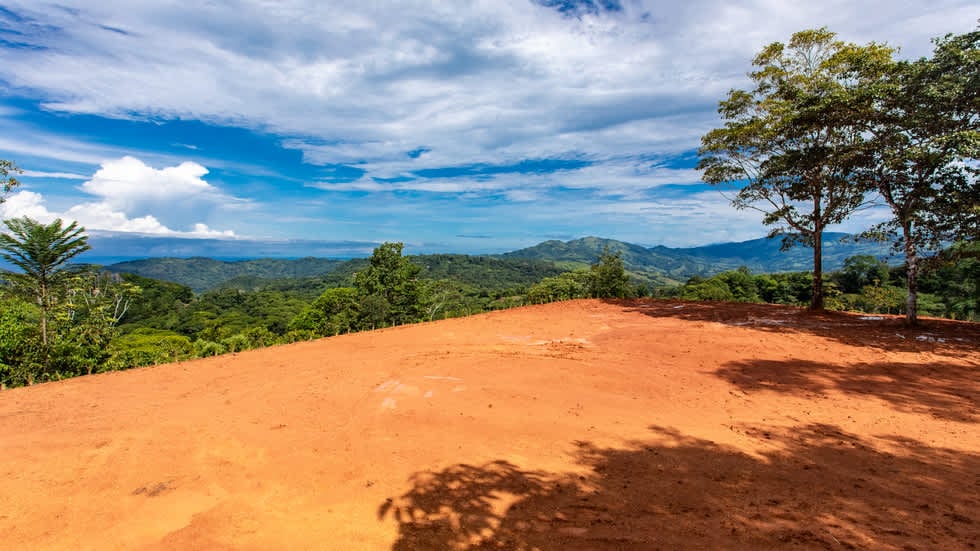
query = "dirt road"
x=579 y=425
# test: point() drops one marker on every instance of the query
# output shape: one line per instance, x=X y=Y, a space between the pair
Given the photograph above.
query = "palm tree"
x=42 y=252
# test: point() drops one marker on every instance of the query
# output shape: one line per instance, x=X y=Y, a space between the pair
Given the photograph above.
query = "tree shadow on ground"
x=943 y=390
x=946 y=337
x=817 y=488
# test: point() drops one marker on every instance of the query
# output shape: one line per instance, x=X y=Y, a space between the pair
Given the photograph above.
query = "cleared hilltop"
x=573 y=425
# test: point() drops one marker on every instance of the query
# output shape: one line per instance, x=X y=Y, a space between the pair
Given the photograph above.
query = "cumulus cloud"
x=134 y=197
x=177 y=194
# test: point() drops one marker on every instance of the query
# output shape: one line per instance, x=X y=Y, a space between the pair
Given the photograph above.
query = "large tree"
x=7 y=182
x=608 y=277
x=390 y=288
x=921 y=123
x=787 y=146
x=42 y=252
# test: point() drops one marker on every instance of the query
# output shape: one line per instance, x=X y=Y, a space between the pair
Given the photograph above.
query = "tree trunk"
x=816 y=303
x=43 y=303
x=911 y=276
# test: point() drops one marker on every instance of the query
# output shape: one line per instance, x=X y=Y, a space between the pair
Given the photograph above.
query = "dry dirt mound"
x=579 y=425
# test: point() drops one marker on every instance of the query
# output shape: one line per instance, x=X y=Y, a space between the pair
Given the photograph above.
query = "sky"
x=459 y=126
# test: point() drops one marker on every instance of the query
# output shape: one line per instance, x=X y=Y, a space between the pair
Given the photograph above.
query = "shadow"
x=818 y=488
x=886 y=332
x=944 y=391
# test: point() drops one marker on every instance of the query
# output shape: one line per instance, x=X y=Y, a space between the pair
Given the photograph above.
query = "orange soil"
x=579 y=425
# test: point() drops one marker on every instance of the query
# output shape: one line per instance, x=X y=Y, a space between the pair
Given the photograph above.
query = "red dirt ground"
x=581 y=425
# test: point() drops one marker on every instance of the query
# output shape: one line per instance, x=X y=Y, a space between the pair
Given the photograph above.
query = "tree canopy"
x=787 y=144
x=920 y=127
x=42 y=252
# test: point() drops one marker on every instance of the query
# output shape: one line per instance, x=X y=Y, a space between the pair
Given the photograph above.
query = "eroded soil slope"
x=579 y=425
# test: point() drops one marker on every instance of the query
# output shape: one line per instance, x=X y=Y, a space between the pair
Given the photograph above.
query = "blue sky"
x=472 y=127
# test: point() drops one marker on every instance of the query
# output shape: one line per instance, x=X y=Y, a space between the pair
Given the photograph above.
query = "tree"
x=565 y=286
x=788 y=144
x=921 y=120
x=42 y=251
x=7 y=182
x=333 y=312
x=609 y=278
x=859 y=271
x=86 y=320
x=18 y=342
x=395 y=279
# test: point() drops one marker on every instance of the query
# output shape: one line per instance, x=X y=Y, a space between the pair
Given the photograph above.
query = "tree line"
x=831 y=128
x=949 y=287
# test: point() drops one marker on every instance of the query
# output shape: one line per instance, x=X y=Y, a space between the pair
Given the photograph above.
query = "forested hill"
x=203 y=274
x=759 y=255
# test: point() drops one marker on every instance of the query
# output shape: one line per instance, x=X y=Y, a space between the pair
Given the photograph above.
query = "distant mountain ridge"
x=650 y=265
x=761 y=255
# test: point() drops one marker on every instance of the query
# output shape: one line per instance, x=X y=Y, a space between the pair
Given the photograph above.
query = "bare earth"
x=573 y=426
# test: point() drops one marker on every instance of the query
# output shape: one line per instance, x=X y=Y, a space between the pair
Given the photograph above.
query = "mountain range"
x=654 y=266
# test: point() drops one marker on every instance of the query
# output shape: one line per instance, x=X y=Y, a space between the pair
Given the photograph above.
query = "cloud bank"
x=125 y=192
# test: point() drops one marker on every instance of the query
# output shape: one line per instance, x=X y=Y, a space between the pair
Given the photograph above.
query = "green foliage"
x=236 y=343
x=734 y=285
x=81 y=330
x=41 y=252
x=298 y=335
x=953 y=280
x=205 y=348
x=7 y=182
x=950 y=284
x=920 y=130
x=881 y=299
x=19 y=342
x=202 y=274
x=707 y=289
x=567 y=286
x=334 y=312
x=389 y=288
x=741 y=286
x=487 y=273
x=860 y=271
x=608 y=278
x=86 y=321
x=788 y=145
x=146 y=346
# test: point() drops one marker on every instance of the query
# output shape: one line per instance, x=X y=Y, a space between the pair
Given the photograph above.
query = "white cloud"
x=61 y=175
x=487 y=82
x=26 y=203
x=129 y=185
x=482 y=82
x=134 y=197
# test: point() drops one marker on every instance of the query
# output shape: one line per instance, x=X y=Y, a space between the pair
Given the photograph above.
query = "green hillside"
x=310 y=276
x=201 y=274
